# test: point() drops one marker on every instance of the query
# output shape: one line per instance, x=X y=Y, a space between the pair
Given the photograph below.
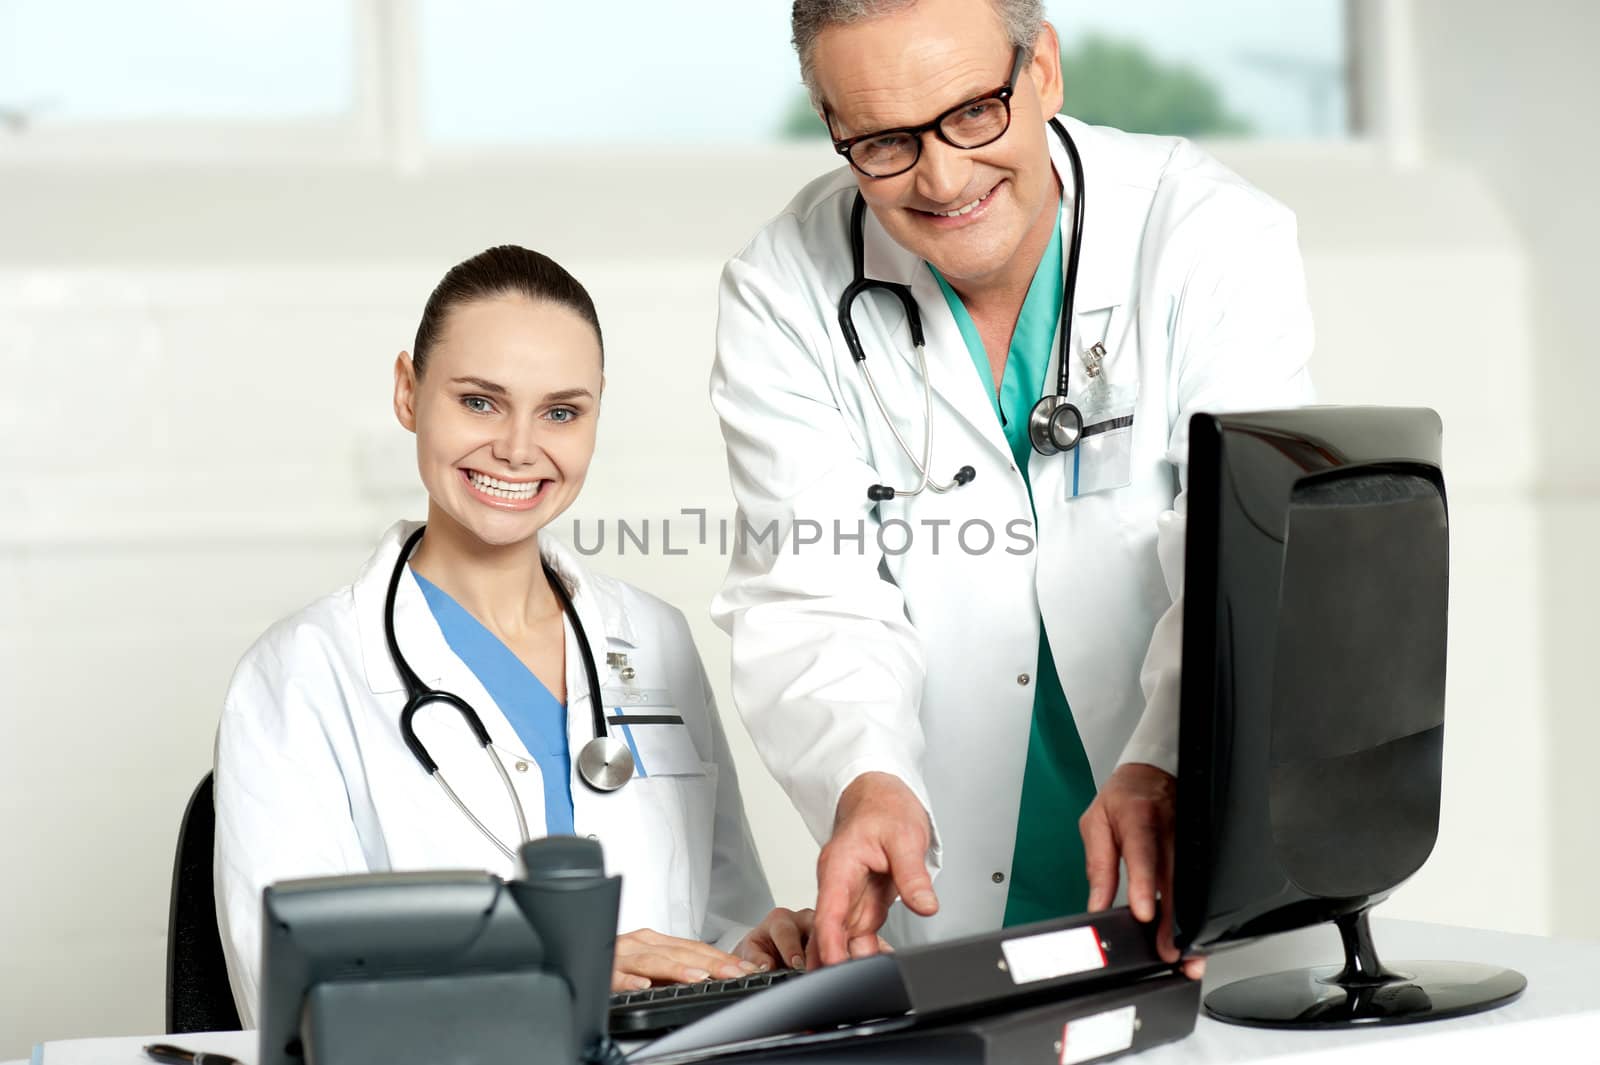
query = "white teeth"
x=959 y=211
x=503 y=489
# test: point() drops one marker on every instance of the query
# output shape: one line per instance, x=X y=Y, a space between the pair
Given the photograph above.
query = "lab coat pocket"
x=1103 y=459
x=656 y=734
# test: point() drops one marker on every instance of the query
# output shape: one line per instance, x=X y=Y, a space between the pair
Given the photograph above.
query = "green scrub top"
x=1047 y=866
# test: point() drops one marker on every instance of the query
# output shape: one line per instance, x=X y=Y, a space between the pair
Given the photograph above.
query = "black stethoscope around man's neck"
x=1054 y=425
x=604 y=763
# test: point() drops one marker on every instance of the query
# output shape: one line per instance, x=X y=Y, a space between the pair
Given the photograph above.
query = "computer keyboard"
x=640 y=1014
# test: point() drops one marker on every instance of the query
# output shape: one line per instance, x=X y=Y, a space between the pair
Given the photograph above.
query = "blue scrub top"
x=539 y=718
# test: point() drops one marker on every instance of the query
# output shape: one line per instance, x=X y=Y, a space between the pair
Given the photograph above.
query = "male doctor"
x=980 y=681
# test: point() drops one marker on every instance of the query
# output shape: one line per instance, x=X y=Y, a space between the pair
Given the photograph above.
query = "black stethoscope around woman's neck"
x=604 y=763
x=1055 y=424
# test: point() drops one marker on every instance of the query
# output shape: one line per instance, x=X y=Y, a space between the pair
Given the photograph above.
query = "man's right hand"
x=878 y=850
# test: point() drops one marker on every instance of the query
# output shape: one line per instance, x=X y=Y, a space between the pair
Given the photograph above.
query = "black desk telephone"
x=418 y=968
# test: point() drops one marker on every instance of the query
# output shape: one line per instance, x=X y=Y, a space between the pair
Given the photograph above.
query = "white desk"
x=1557 y=1019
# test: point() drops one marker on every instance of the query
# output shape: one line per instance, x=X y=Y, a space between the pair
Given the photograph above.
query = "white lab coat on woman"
x=313 y=779
x=911 y=649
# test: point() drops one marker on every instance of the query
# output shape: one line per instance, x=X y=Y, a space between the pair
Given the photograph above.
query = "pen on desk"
x=171 y=1055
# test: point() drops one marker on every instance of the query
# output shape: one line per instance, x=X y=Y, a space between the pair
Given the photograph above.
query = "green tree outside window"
x=1108 y=83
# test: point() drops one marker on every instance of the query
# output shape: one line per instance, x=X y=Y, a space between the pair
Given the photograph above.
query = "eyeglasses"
x=979 y=121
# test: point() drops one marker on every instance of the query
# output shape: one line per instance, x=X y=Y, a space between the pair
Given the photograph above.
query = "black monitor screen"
x=1316 y=587
x=1356 y=699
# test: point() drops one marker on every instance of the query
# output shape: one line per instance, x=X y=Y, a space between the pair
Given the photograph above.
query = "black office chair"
x=198 y=996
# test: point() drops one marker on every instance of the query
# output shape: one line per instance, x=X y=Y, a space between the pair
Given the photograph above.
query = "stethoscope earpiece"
x=879 y=493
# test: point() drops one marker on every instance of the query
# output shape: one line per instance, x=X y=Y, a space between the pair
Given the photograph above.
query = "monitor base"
x=1364 y=992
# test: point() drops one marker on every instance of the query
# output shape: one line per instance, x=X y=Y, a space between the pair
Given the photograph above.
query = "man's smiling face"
x=968 y=212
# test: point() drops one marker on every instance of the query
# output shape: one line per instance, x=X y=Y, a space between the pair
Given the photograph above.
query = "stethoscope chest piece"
x=1055 y=425
x=605 y=764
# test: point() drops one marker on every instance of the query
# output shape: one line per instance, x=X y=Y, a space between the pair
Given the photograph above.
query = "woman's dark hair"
x=499 y=271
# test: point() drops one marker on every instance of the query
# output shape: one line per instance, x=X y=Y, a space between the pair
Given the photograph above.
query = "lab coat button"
x=1022 y=679
x=998 y=878
x=522 y=767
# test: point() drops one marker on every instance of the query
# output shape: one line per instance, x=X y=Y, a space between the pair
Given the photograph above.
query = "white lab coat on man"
x=911 y=649
x=313 y=779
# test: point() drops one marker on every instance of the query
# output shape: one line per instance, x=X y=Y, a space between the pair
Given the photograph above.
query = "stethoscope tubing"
x=591 y=674
x=419 y=695
x=924 y=480
x=511 y=790
x=1070 y=283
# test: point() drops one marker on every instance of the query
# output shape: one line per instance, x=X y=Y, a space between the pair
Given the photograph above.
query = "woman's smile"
x=504 y=494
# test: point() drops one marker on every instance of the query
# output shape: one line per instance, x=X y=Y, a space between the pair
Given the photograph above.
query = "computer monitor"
x=1311 y=739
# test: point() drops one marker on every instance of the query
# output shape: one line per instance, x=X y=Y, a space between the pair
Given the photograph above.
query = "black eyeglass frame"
x=1004 y=94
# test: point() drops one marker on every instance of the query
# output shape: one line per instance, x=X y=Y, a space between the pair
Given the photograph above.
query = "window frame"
x=384 y=126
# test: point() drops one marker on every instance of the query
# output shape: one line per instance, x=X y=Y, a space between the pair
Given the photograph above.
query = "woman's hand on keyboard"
x=645 y=957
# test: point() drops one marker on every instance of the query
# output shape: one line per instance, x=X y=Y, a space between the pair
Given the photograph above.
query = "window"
x=507 y=72
x=500 y=72
x=1257 y=68
x=76 y=63
x=404 y=79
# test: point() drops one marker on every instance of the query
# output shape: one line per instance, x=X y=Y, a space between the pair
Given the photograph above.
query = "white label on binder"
x=1095 y=1037
x=1052 y=954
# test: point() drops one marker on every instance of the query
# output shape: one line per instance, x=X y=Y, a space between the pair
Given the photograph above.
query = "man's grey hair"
x=1021 y=18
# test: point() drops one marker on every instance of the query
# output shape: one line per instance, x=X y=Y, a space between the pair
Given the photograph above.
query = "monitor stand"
x=1364 y=992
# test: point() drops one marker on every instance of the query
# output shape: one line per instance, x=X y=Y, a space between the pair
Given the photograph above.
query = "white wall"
x=1391 y=258
x=195 y=439
x=1503 y=90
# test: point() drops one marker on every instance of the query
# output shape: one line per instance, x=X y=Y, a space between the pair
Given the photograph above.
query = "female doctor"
x=313 y=775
